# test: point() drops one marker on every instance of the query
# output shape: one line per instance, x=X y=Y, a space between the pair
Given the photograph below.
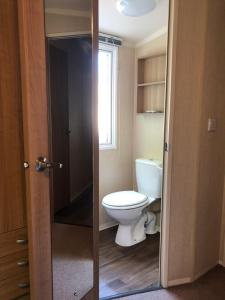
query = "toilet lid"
x=124 y=199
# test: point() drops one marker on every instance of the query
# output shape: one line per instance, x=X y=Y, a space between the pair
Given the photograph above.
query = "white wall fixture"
x=136 y=8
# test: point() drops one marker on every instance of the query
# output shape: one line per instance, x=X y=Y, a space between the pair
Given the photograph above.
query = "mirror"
x=69 y=63
x=132 y=109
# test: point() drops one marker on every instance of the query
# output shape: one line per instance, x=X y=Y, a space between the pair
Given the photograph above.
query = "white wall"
x=149 y=136
x=115 y=166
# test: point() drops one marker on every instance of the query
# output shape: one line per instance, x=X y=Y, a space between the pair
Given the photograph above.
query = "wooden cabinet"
x=151 y=84
x=14 y=275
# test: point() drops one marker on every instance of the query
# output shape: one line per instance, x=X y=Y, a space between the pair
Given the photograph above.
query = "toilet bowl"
x=129 y=208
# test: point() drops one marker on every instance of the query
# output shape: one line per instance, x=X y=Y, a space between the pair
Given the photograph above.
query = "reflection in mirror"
x=69 y=52
x=132 y=85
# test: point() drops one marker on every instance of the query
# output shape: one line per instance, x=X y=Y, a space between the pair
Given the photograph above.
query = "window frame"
x=114 y=75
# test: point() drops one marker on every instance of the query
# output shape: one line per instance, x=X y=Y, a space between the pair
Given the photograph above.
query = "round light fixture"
x=136 y=8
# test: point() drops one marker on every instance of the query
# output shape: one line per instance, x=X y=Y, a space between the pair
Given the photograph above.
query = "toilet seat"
x=125 y=200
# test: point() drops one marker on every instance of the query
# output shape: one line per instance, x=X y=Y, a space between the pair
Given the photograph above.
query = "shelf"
x=151 y=83
x=153 y=112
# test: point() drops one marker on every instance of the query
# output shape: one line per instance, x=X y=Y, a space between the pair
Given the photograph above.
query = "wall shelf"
x=151 y=83
x=151 y=112
x=151 y=75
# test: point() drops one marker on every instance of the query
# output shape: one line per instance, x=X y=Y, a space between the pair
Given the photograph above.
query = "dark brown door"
x=13 y=221
x=59 y=123
x=36 y=141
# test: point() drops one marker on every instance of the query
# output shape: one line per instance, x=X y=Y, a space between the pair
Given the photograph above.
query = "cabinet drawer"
x=9 y=242
x=16 y=263
x=14 y=287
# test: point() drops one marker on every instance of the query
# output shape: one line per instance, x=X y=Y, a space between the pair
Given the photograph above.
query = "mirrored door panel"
x=69 y=52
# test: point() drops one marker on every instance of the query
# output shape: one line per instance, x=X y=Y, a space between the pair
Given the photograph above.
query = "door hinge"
x=166 y=147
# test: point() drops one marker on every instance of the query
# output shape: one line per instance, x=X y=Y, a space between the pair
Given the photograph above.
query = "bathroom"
x=131 y=137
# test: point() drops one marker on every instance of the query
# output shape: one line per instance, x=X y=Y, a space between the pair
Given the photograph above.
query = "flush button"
x=211 y=125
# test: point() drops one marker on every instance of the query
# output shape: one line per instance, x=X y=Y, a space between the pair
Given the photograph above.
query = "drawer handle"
x=23 y=285
x=21 y=242
x=22 y=263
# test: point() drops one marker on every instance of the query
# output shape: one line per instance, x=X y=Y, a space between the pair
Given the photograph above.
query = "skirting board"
x=107 y=225
x=195 y=277
x=83 y=191
x=179 y=281
x=222 y=263
x=204 y=271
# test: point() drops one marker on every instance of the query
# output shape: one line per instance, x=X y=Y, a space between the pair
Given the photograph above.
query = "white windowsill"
x=107 y=147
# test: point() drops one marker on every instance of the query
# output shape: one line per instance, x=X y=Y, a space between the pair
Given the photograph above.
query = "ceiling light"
x=136 y=8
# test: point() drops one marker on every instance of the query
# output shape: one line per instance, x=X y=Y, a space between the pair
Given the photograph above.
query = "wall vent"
x=110 y=40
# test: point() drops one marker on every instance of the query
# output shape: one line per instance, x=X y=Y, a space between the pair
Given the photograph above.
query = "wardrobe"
x=14 y=258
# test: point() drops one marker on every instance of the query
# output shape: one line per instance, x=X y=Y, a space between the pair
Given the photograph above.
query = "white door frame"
x=167 y=170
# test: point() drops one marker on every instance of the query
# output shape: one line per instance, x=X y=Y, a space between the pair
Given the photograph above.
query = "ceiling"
x=132 y=29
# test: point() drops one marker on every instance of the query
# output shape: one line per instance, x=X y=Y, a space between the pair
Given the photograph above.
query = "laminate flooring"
x=126 y=269
x=211 y=286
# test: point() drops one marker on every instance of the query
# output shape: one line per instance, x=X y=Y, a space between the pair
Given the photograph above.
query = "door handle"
x=42 y=164
x=21 y=241
x=22 y=263
x=23 y=285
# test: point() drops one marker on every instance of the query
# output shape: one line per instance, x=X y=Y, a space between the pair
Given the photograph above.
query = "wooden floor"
x=125 y=269
x=209 y=287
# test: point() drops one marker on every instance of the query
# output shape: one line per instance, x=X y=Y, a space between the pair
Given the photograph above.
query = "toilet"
x=130 y=208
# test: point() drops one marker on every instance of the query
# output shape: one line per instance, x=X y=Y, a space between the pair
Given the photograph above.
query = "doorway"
x=132 y=96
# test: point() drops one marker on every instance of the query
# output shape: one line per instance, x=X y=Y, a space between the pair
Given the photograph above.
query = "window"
x=107 y=72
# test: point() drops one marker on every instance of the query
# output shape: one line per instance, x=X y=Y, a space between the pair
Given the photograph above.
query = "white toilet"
x=129 y=208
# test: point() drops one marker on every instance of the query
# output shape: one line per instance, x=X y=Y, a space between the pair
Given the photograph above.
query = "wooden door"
x=35 y=112
x=35 y=120
x=12 y=177
x=59 y=123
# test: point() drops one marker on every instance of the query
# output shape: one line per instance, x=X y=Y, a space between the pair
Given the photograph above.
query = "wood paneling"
x=153 y=98
x=185 y=144
x=11 y=288
x=9 y=265
x=33 y=65
x=151 y=83
x=211 y=144
x=12 y=176
x=12 y=188
x=8 y=242
x=154 y=68
x=196 y=155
